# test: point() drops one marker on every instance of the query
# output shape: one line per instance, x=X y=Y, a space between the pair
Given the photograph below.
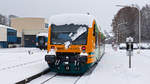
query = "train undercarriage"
x=68 y=63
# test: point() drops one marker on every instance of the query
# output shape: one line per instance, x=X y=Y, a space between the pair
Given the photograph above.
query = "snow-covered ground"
x=17 y=64
x=112 y=69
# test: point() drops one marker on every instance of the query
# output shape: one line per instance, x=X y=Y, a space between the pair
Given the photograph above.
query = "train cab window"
x=62 y=33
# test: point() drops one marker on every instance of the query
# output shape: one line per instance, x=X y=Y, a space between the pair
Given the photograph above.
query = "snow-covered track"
x=54 y=78
x=20 y=65
x=49 y=79
x=27 y=80
x=57 y=79
x=87 y=73
x=77 y=80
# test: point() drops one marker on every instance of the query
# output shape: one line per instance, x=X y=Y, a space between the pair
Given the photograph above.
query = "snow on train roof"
x=82 y=19
x=42 y=34
x=4 y=26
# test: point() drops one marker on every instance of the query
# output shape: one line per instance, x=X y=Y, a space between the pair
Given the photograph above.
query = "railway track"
x=47 y=77
x=23 y=64
x=59 y=79
x=27 y=80
x=77 y=80
x=53 y=78
x=20 y=65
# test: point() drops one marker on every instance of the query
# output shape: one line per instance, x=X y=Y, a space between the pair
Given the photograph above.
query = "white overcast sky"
x=103 y=10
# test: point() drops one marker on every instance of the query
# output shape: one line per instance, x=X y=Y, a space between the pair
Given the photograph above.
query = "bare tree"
x=125 y=24
x=3 y=20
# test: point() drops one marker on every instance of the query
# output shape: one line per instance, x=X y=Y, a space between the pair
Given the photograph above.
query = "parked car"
x=122 y=46
x=135 y=46
x=145 y=46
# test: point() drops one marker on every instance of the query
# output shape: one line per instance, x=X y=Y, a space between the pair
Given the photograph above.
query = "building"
x=27 y=28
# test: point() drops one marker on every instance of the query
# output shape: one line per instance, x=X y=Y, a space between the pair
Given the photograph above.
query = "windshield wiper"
x=79 y=32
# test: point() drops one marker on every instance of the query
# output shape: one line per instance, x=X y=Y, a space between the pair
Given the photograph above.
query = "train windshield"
x=74 y=34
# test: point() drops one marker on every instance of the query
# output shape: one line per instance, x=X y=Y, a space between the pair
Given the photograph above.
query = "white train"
x=8 y=36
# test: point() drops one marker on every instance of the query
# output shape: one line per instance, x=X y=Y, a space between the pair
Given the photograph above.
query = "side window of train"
x=99 y=39
x=102 y=38
x=96 y=35
x=94 y=30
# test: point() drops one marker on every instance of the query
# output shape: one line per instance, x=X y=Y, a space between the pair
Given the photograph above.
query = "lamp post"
x=138 y=8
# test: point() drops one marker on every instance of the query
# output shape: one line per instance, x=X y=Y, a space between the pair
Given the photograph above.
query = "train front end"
x=68 y=49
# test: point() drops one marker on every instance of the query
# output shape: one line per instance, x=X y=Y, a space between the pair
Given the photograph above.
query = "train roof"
x=7 y=27
x=81 y=19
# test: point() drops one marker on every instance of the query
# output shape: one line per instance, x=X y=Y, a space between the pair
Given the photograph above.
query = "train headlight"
x=83 y=54
x=52 y=52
